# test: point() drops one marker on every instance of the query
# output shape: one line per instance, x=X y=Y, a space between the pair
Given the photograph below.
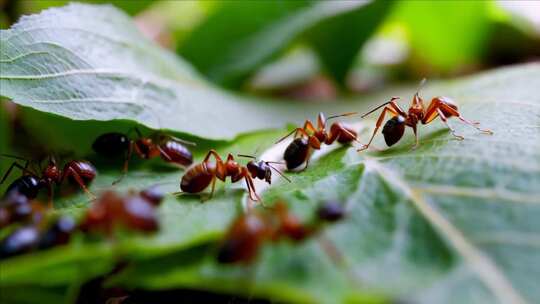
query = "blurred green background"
x=357 y=51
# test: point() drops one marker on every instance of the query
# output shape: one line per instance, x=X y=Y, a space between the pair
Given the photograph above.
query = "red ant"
x=198 y=177
x=300 y=149
x=79 y=171
x=250 y=231
x=394 y=128
x=133 y=211
x=169 y=148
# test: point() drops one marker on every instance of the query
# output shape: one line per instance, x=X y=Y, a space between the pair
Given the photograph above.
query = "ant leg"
x=16 y=165
x=126 y=163
x=470 y=123
x=445 y=120
x=210 y=153
x=213 y=188
x=377 y=126
x=164 y=153
x=295 y=131
x=416 y=144
x=253 y=192
x=389 y=104
x=50 y=194
x=71 y=172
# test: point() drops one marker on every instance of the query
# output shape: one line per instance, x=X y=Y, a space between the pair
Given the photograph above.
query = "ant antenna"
x=246 y=156
x=187 y=142
x=421 y=85
x=13 y=156
x=278 y=171
x=342 y=115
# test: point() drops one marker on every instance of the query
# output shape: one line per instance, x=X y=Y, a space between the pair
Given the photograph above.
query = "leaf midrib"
x=482 y=265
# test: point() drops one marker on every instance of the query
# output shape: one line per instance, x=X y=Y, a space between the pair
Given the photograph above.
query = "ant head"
x=393 y=129
x=263 y=169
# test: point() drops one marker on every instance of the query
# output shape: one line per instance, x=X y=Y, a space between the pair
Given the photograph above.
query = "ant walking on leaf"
x=394 y=128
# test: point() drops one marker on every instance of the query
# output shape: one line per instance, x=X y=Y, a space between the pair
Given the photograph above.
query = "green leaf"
x=453 y=221
x=248 y=35
x=440 y=32
x=90 y=63
x=337 y=40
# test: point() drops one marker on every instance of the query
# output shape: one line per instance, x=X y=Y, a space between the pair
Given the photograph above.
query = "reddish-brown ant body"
x=169 y=148
x=394 y=128
x=199 y=176
x=250 y=231
x=311 y=138
x=79 y=171
x=133 y=211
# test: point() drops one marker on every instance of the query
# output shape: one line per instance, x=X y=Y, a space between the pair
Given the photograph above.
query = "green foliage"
x=337 y=40
x=239 y=37
x=453 y=221
x=445 y=35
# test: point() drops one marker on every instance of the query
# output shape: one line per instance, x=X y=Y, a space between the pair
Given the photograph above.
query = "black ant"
x=79 y=171
x=37 y=236
x=250 y=231
x=394 y=128
x=300 y=149
x=169 y=148
x=198 y=177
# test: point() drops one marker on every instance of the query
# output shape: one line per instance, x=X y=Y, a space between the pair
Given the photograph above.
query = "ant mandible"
x=300 y=149
x=394 y=128
x=169 y=148
x=79 y=171
x=198 y=177
x=250 y=231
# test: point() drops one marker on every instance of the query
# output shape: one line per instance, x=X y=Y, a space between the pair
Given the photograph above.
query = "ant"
x=17 y=208
x=135 y=211
x=79 y=171
x=394 y=128
x=250 y=231
x=170 y=149
x=200 y=176
x=300 y=149
x=37 y=237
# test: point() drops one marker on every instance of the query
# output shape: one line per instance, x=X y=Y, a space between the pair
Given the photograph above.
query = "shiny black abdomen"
x=111 y=144
x=296 y=153
x=27 y=185
x=393 y=130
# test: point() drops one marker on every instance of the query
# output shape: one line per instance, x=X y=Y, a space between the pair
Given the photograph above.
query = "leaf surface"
x=89 y=62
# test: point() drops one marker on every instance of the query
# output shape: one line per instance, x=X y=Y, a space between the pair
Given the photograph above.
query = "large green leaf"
x=453 y=221
x=450 y=222
x=90 y=63
x=249 y=34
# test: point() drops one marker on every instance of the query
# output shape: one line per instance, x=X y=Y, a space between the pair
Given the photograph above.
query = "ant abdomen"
x=19 y=241
x=112 y=144
x=176 y=152
x=296 y=153
x=394 y=129
x=244 y=239
x=27 y=185
x=196 y=178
